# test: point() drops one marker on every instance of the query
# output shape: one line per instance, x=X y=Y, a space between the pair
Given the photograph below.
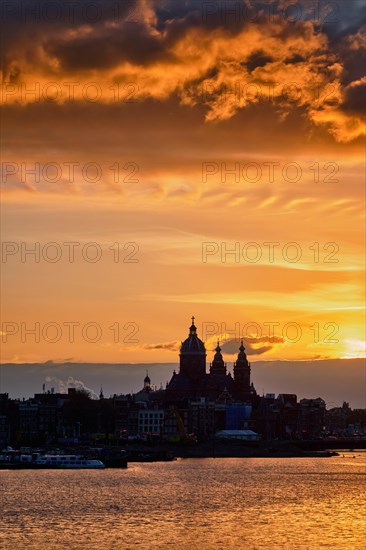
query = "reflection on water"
x=206 y=504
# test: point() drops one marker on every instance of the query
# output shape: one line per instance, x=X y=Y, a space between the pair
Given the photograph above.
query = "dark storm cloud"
x=177 y=16
x=352 y=52
x=258 y=59
x=27 y=25
x=297 y=58
x=336 y=18
x=119 y=32
x=355 y=97
x=53 y=14
x=105 y=46
x=108 y=48
x=344 y=17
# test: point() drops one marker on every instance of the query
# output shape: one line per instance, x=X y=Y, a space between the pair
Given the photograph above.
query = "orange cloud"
x=169 y=346
x=225 y=70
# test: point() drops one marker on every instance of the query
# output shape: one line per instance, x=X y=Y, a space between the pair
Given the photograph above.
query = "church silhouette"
x=192 y=381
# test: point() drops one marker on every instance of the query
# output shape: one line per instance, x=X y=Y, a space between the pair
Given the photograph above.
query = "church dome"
x=193 y=344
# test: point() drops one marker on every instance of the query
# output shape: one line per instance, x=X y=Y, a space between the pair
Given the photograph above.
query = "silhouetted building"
x=147 y=383
x=336 y=419
x=193 y=382
x=238 y=416
x=312 y=417
x=243 y=390
x=202 y=418
x=278 y=418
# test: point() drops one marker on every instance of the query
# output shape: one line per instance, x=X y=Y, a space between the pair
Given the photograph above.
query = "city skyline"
x=289 y=377
x=269 y=377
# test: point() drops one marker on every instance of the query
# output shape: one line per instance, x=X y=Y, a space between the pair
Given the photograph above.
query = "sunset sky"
x=183 y=131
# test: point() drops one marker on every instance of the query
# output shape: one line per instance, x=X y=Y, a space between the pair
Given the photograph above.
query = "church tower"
x=193 y=356
x=147 y=383
x=218 y=367
x=242 y=387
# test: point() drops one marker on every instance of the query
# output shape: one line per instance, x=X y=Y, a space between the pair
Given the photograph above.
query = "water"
x=297 y=503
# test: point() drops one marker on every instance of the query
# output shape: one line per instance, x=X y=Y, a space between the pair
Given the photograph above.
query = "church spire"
x=147 y=382
x=242 y=388
x=242 y=357
x=218 y=354
x=193 y=328
x=218 y=366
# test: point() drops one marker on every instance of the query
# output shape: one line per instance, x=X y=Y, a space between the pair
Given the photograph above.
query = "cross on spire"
x=193 y=328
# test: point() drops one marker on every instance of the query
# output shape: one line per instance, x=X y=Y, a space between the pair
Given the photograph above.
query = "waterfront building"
x=150 y=421
x=312 y=417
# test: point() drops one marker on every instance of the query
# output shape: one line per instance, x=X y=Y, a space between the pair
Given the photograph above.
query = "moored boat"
x=48 y=462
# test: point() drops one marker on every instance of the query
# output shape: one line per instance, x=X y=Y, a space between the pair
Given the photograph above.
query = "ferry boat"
x=48 y=462
x=68 y=461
